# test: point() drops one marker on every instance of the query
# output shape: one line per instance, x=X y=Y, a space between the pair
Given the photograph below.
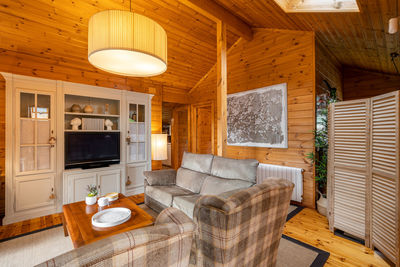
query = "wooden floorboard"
x=312 y=228
x=308 y=226
x=36 y=224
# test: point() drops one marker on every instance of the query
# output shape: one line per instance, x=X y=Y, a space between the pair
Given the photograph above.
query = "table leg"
x=64 y=222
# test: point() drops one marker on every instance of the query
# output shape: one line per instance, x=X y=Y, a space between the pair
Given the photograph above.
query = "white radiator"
x=295 y=175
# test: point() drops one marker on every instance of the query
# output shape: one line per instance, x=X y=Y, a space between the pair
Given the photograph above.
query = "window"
x=292 y=6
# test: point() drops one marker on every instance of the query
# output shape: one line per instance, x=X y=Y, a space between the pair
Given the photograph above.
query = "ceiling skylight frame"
x=318 y=6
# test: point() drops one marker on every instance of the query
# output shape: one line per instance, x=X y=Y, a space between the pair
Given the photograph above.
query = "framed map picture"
x=258 y=118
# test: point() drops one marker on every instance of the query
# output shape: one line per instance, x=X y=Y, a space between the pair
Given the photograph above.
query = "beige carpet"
x=35 y=248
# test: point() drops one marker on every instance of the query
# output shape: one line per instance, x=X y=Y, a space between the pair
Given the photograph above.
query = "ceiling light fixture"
x=125 y=43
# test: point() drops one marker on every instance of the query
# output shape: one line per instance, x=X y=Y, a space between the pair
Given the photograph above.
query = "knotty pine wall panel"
x=2 y=144
x=273 y=57
x=327 y=68
x=358 y=84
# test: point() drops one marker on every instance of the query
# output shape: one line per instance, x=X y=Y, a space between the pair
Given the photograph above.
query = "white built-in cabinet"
x=136 y=143
x=106 y=181
x=38 y=113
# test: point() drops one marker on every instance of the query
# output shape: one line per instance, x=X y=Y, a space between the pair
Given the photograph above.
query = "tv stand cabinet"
x=39 y=112
x=107 y=179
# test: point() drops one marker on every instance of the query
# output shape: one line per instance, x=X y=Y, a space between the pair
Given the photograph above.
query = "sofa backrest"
x=223 y=225
x=167 y=243
x=197 y=162
x=241 y=169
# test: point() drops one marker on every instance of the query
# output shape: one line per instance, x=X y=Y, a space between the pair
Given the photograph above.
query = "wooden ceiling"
x=57 y=30
x=54 y=32
x=356 y=39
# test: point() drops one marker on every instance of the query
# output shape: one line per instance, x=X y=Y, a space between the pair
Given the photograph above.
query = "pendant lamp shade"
x=126 y=43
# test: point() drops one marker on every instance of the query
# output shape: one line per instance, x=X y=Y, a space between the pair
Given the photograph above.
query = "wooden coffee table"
x=77 y=221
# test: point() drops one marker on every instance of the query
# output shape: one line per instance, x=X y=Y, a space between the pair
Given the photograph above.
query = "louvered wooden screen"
x=385 y=174
x=348 y=160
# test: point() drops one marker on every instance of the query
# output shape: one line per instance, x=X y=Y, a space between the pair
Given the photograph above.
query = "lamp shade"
x=126 y=43
x=159 y=147
x=393 y=25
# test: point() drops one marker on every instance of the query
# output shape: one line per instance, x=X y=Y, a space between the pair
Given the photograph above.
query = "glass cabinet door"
x=136 y=136
x=36 y=139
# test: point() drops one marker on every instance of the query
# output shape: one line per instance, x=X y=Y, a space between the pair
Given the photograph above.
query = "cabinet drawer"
x=34 y=191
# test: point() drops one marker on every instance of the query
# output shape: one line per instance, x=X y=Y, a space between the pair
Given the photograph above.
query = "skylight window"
x=292 y=6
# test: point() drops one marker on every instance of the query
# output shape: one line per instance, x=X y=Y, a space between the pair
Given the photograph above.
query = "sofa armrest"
x=175 y=216
x=161 y=177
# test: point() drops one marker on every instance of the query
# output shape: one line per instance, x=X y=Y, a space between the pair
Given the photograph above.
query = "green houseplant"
x=91 y=197
x=319 y=158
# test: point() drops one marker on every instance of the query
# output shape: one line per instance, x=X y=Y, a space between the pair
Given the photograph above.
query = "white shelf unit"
x=103 y=109
x=35 y=127
x=92 y=114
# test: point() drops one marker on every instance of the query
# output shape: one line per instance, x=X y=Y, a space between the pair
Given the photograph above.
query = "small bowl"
x=111 y=196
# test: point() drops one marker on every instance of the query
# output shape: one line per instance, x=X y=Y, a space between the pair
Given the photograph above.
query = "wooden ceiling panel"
x=358 y=39
x=56 y=30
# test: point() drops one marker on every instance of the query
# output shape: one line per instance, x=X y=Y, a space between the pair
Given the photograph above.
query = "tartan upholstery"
x=165 y=244
x=245 y=229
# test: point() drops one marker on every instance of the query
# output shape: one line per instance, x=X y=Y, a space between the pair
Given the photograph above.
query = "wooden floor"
x=308 y=226
x=312 y=228
x=27 y=226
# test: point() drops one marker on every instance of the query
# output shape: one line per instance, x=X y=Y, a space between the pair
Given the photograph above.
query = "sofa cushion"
x=197 y=162
x=215 y=185
x=165 y=194
x=186 y=203
x=190 y=180
x=243 y=169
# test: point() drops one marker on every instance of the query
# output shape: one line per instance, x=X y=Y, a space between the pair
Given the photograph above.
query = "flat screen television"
x=91 y=149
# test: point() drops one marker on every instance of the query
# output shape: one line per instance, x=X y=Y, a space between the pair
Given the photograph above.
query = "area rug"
x=32 y=249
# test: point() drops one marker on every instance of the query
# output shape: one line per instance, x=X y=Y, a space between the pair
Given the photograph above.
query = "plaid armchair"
x=243 y=229
x=165 y=244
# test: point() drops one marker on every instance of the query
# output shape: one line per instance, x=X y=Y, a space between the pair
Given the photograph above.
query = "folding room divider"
x=363 y=171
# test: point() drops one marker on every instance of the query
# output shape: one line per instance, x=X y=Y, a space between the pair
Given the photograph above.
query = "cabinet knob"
x=52 y=196
x=128 y=139
x=128 y=181
x=52 y=141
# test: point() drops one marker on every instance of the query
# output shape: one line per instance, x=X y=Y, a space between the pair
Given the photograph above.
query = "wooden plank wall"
x=2 y=144
x=328 y=68
x=273 y=57
x=359 y=83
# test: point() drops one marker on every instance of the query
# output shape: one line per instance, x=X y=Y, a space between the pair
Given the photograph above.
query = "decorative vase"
x=91 y=200
x=88 y=109
x=322 y=205
x=76 y=108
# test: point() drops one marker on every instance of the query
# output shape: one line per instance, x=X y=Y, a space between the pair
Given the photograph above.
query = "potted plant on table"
x=91 y=198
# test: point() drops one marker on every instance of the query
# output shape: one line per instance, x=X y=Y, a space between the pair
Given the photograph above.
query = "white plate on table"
x=111 y=217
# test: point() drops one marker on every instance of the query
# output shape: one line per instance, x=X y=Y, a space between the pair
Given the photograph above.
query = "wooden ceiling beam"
x=217 y=13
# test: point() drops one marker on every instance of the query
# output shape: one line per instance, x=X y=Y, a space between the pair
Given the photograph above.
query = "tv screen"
x=87 y=149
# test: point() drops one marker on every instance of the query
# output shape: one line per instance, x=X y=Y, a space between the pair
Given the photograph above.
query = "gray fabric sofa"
x=199 y=174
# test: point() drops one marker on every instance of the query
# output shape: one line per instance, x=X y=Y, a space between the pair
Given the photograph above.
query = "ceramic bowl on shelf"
x=88 y=109
x=76 y=108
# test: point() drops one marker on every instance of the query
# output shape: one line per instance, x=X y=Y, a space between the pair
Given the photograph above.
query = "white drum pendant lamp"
x=126 y=43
